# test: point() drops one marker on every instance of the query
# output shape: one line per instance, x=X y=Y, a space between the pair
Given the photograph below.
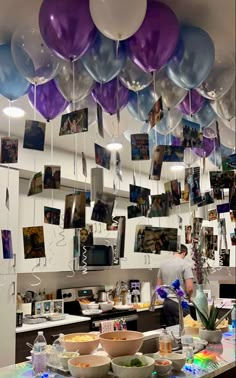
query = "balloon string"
x=190 y=102
x=138 y=104
x=52 y=146
x=117 y=48
x=154 y=81
x=139 y=165
x=35 y=101
x=73 y=85
x=8 y=166
x=9 y=119
x=85 y=177
x=75 y=160
x=118 y=104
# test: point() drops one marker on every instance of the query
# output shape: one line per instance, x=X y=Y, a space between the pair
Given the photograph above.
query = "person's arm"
x=188 y=280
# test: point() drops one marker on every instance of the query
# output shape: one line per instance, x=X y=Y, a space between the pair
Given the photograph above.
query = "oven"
x=131 y=320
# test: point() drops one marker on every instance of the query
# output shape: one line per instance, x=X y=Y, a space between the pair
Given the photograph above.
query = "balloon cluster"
x=118 y=54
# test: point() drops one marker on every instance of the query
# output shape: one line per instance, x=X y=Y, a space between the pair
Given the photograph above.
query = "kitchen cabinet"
x=8 y=319
x=9 y=182
x=148 y=320
x=22 y=350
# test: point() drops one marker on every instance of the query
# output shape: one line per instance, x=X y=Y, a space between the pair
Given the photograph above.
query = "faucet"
x=181 y=317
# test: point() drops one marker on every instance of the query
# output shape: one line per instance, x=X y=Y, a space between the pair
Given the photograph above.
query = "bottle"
x=43 y=296
x=165 y=342
x=187 y=344
x=129 y=301
x=57 y=350
x=233 y=316
x=40 y=356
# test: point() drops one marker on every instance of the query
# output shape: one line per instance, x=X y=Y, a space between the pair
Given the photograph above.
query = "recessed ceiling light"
x=177 y=167
x=14 y=112
x=114 y=146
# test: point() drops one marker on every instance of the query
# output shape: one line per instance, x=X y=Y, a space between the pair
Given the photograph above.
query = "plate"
x=91 y=312
x=123 y=307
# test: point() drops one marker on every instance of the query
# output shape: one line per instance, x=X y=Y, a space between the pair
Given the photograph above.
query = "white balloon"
x=230 y=124
x=189 y=156
x=227 y=136
x=118 y=19
x=127 y=122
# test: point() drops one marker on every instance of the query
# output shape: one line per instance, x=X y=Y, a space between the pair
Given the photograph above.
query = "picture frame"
x=38 y=308
x=58 y=306
x=47 y=307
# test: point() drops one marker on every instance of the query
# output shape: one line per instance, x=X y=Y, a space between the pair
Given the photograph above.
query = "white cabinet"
x=9 y=180
x=8 y=319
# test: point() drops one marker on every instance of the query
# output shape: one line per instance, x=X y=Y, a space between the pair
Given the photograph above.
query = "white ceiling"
x=215 y=16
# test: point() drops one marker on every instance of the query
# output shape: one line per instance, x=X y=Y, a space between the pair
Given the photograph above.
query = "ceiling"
x=217 y=17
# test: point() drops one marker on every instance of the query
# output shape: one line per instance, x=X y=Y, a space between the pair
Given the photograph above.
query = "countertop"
x=70 y=319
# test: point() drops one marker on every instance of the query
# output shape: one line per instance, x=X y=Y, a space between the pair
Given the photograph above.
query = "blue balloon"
x=156 y=138
x=103 y=60
x=204 y=117
x=216 y=158
x=12 y=84
x=193 y=59
x=141 y=103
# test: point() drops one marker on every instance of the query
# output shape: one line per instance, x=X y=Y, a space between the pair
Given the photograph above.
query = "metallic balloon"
x=204 y=117
x=171 y=93
x=208 y=146
x=225 y=106
x=141 y=103
x=178 y=131
x=171 y=119
x=216 y=158
x=156 y=138
x=192 y=102
x=133 y=78
x=221 y=76
x=87 y=102
x=103 y=60
x=193 y=58
x=227 y=136
x=230 y=124
x=106 y=96
x=73 y=80
x=209 y=132
x=189 y=157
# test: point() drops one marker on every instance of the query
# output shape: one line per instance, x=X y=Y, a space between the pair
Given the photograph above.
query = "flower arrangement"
x=178 y=291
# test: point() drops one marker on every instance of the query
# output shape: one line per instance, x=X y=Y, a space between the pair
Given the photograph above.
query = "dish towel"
x=107 y=326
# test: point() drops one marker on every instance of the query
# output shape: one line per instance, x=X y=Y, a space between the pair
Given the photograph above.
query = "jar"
x=188 y=345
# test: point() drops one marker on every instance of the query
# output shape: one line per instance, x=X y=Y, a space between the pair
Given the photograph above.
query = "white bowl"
x=92 y=306
x=162 y=369
x=177 y=359
x=99 y=366
x=106 y=306
x=65 y=357
x=122 y=371
x=85 y=345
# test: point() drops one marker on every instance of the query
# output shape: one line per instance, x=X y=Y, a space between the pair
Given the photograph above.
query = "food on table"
x=118 y=338
x=83 y=365
x=190 y=322
x=84 y=301
x=135 y=362
x=82 y=338
x=162 y=363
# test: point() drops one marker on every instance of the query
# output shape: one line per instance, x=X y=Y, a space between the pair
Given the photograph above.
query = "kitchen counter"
x=70 y=319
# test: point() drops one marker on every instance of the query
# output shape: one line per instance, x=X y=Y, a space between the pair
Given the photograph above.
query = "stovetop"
x=113 y=314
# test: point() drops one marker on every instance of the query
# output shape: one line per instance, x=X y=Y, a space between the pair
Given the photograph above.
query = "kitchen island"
x=215 y=360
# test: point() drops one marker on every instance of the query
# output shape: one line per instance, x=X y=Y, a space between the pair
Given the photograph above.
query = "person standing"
x=170 y=270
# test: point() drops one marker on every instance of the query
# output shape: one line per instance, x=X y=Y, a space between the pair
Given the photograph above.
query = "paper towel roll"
x=145 y=292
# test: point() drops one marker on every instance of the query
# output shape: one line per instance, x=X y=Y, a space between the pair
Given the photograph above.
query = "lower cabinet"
x=148 y=321
x=22 y=350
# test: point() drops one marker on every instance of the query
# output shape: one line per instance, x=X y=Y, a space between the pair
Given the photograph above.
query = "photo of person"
x=7 y=248
x=233 y=238
x=102 y=156
x=133 y=211
x=52 y=215
x=222 y=180
x=156 y=113
x=75 y=210
x=33 y=239
x=173 y=153
x=233 y=215
x=34 y=136
x=222 y=208
x=139 y=147
x=167 y=238
x=158 y=205
x=74 y=122
x=232 y=198
x=47 y=307
x=212 y=215
x=52 y=177
x=9 y=150
x=138 y=194
x=207 y=241
x=38 y=308
x=185 y=195
x=218 y=194
x=86 y=236
x=188 y=234
x=120 y=241
x=192 y=134
x=58 y=306
x=175 y=192
x=103 y=207
x=114 y=225
x=197 y=225
x=100 y=120
x=156 y=163
x=36 y=184
x=194 y=186
x=224 y=257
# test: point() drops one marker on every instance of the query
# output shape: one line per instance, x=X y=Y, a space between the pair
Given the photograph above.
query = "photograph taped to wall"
x=218 y=194
x=7 y=248
x=9 y=150
x=34 y=136
x=103 y=207
x=224 y=257
x=100 y=120
x=120 y=242
x=207 y=198
x=74 y=122
x=36 y=184
x=75 y=210
x=86 y=236
x=52 y=177
x=139 y=146
x=33 y=238
x=197 y=225
x=233 y=238
x=175 y=192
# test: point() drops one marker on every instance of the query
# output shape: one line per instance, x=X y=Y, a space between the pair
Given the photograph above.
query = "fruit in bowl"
x=84 y=343
x=121 y=343
x=91 y=366
x=132 y=366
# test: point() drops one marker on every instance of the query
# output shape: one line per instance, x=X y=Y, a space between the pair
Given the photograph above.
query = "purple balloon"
x=67 y=27
x=207 y=148
x=152 y=46
x=197 y=102
x=106 y=96
x=49 y=101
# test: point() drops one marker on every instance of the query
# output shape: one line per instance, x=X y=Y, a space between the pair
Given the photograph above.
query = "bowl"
x=121 y=343
x=177 y=359
x=92 y=306
x=162 y=366
x=122 y=371
x=106 y=306
x=65 y=357
x=84 y=343
x=98 y=367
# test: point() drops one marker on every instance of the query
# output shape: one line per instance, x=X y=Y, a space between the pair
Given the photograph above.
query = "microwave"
x=97 y=257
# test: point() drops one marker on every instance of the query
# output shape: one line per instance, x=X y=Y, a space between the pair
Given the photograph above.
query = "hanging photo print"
x=139 y=147
x=228 y=160
x=135 y=211
x=222 y=208
x=188 y=234
x=212 y=215
x=84 y=165
x=232 y=198
x=218 y=194
x=158 y=205
x=120 y=241
x=174 y=154
x=36 y=184
x=7 y=248
x=9 y=150
x=224 y=257
x=222 y=180
x=52 y=177
x=75 y=210
x=197 y=225
x=138 y=194
x=52 y=215
x=233 y=237
x=74 y=122
x=86 y=236
x=156 y=113
x=103 y=207
x=34 y=136
x=155 y=239
x=194 y=186
x=207 y=241
x=233 y=216
x=192 y=134
x=100 y=121
x=207 y=198
x=118 y=166
x=175 y=192
x=102 y=156
x=156 y=163
x=113 y=226
x=7 y=199
x=33 y=239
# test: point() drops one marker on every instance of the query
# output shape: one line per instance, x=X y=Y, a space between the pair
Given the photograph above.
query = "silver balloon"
x=133 y=78
x=230 y=124
x=225 y=106
x=73 y=80
x=189 y=157
x=169 y=122
x=178 y=131
x=89 y=103
x=227 y=136
x=221 y=76
x=209 y=133
x=171 y=94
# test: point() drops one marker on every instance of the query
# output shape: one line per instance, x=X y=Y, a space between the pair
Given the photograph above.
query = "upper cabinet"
x=9 y=203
